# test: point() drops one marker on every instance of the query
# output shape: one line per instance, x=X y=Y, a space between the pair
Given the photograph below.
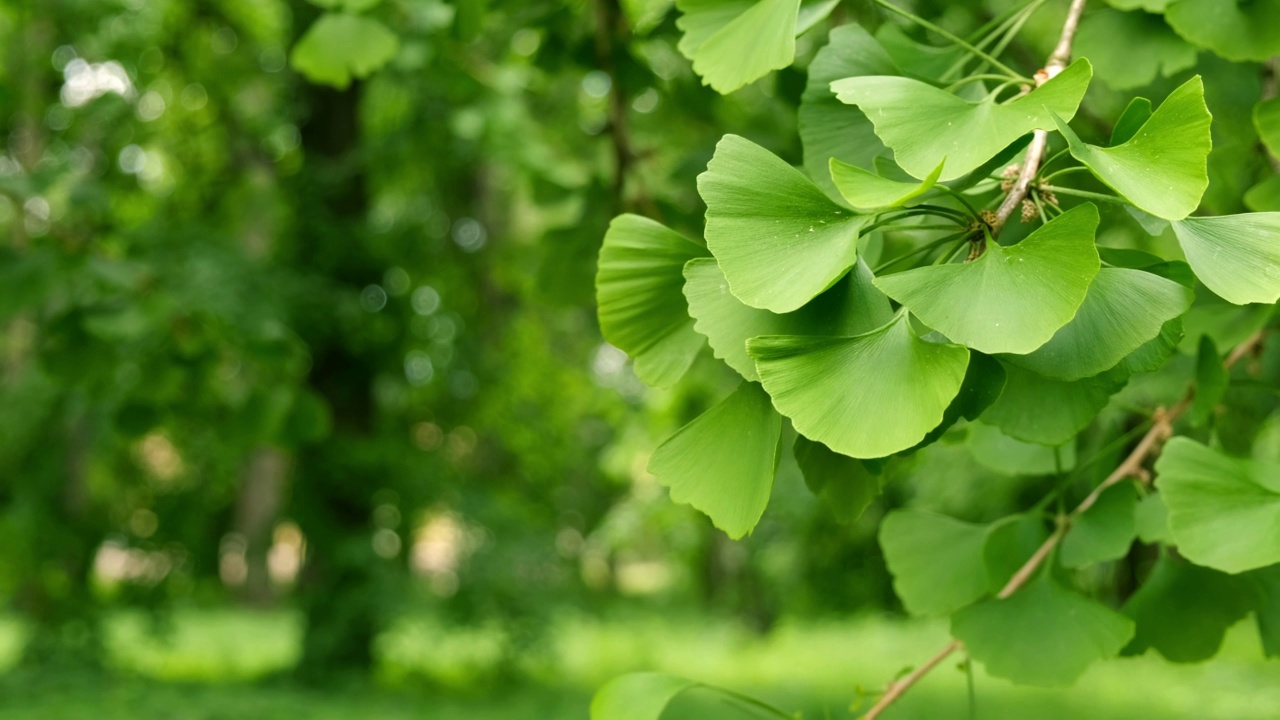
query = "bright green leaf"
x=1129 y=49
x=983 y=383
x=923 y=124
x=1123 y=310
x=1050 y=412
x=1183 y=610
x=1236 y=256
x=1224 y=512
x=638 y=696
x=852 y=306
x=1135 y=115
x=867 y=191
x=1163 y=168
x=779 y=240
x=865 y=396
x=1010 y=456
x=1152 y=6
x=1151 y=520
x=1266 y=120
x=1238 y=30
x=735 y=42
x=642 y=310
x=1103 y=532
x=1041 y=635
x=340 y=46
x=724 y=461
x=847 y=485
x=1011 y=299
x=1265 y=196
x=936 y=561
x=916 y=59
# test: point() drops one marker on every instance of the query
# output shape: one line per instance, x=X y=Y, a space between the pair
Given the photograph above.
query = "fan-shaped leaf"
x=867 y=191
x=1104 y=532
x=724 y=461
x=1129 y=49
x=923 y=124
x=735 y=42
x=1224 y=512
x=1238 y=30
x=1266 y=120
x=638 y=696
x=1012 y=299
x=847 y=484
x=1010 y=456
x=1163 y=168
x=852 y=306
x=1235 y=256
x=1184 y=611
x=865 y=396
x=936 y=561
x=340 y=46
x=1041 y=410
x=1041 y=635
x=1123 y=310
x=638 y=292
x=779 y=240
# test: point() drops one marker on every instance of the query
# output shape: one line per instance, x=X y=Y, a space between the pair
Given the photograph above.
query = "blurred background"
x=304 y=411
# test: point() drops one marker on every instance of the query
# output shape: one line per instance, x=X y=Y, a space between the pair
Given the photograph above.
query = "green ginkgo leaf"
x=865 y=190
x=642 y=310
x=865 y=396
x=829 y=128
x=852 y=306
x=1042 y=410
x=1123 y=310
x=847 y=484
x=1043 y=634
x=1135 y=115
x=340 y=46
x=1163 y=168
x=1266 y=120
x=936 y=561
x=1129 y=49
x=1238 y=30
x=779 y=239
x=1235 y=256
x=1012 y=299
x=923 y=124
x=1184 y=610
x=1224 y=513
x=1103 y=532
x=637 y=696
x=1010 y=456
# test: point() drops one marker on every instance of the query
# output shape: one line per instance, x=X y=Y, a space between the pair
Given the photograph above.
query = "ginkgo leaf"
x=642 y=310
x=1266 y=120
x=1129 y=49
x=1163 y=168
x=1104 y=531
x=1042 y=410
x=865 y=396
x=829 y=128
x=779 y=239
x=1265 y=196
x=1010 y=456
x=340 y=46
x=1212 y=381
x=916 y=59
x=724 y=461
x=638 y=696
x=735 y=42
x=936 y=561
x=1043 y=634
x=1238 y=30
x=1135 y=115
x=1012 y=299
x=847 y=484
x=923 y=124
x=867 y=191
x=1235 y=256
x=1151 y=520
x=852 y=306
x=1011 y=541
x=1224 y=513
x=1123 y=310
x=1184 y=611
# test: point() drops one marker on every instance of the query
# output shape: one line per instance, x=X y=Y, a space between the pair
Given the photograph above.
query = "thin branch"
x=1040 y=140
x=1132 y=466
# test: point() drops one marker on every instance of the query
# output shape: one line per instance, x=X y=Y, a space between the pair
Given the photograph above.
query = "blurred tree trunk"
x=258 y=503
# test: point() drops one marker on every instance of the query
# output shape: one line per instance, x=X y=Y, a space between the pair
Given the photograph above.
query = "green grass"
x=204 y=669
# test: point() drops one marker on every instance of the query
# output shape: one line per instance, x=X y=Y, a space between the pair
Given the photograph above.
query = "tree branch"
x=1131 y=466
x=1058 y=60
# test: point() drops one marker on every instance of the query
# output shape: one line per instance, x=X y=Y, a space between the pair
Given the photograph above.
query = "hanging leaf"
x=1211 y=381
x=1123 y=310
x=1163 y=168
x=847 y=485
x=1265 y=196
x=1135 y=115
x=865 y=396
x=724 y=461
x=923 y=124
x=1130 y=49
x=1104 y=532
x=645 y=695
x=1235 y=256
x=1154 y=353
x=1183 y=611
x=829 y=128
x=340 y=46
x=1224 y=512
x=1238 y=30
x=1011 y=542
x=1012 y=299
x=1010 y=456
x=983 y=383
x=735 y=42
x=867 y=191
x=779 y=240
x=852 y=306
x=1151 y=520
x=936 y=561
x=642 y=310
x=1266 y=120
x=916 y=59
x=1050 y=412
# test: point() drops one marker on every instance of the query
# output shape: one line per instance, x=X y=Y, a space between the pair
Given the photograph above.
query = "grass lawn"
x=212 y=664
